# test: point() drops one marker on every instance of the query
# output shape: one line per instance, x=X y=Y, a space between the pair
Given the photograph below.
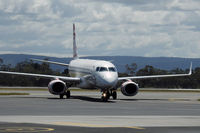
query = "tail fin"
x=75 y=56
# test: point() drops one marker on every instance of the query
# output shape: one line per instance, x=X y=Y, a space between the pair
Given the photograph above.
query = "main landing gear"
x=67 y=95
x=106 y=95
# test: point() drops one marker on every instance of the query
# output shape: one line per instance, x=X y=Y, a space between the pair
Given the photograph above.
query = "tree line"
x=192 y=81
x=29 y=66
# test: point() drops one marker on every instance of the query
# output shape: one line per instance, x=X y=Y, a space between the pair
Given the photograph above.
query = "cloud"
x=106 y=27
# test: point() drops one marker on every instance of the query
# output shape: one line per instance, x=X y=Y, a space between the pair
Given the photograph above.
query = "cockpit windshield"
x=112 y=69
x=103 y=69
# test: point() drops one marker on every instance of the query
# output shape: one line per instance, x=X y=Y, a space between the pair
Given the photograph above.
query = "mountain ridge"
x=165 y=63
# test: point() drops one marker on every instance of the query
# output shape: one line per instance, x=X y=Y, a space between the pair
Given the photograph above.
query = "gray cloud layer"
x=104 y=27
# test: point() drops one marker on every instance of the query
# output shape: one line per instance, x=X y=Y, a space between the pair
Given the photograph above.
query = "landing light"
x=104 y=94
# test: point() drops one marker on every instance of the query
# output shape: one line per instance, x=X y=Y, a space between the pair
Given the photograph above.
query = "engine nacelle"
x=57 y=87
x=129 y=88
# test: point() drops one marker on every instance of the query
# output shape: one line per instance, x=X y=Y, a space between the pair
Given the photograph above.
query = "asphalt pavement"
x=85 y=112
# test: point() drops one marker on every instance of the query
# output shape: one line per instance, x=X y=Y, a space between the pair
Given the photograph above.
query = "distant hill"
x=166 y=63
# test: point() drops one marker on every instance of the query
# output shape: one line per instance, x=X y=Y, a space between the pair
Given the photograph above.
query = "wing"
x=51 y=62
x=157 y=76
x=72 y=79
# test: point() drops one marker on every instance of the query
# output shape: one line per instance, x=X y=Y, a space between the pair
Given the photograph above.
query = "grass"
x=39 y=89
x=170 y=90
x=149 y=90
x=24 y=89
x=12 y=93
x=77 y=89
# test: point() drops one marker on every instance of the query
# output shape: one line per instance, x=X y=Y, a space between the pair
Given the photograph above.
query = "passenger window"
x=102 y=69
x=112 y=69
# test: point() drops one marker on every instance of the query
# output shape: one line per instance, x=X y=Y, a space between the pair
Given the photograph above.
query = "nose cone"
x=109 y=80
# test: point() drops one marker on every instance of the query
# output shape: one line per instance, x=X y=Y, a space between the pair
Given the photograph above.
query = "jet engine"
x=57 y=87
x=129 y=88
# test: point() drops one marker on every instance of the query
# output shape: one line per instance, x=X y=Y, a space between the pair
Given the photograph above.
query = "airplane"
x=92 y=74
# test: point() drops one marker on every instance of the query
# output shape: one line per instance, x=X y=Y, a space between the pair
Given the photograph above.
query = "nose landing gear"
x=114 y=95
x=106 y=95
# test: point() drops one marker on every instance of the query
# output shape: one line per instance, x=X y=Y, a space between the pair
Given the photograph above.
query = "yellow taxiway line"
x=93 y=125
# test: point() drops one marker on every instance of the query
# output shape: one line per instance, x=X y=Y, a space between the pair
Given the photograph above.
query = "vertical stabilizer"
x=75 y=56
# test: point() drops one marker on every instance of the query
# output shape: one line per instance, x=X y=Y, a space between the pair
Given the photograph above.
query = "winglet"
x=190 y=73
x=75 y=55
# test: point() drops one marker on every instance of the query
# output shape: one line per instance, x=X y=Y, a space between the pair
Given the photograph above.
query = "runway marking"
x=25 y=129
x=139 y=128
x=179 y=99
x=93 y=125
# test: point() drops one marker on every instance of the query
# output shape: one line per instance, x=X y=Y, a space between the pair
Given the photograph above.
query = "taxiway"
x=146 y=112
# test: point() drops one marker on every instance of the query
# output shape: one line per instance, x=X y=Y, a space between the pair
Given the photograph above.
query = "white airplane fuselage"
x=94 y=73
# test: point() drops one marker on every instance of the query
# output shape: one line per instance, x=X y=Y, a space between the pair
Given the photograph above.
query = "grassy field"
x=77 y=89
x=23 y=89
x=170 y=90
x=12 y=93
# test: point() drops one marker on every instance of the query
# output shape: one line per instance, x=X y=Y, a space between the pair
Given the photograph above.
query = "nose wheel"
x=106 y=95
x=114 y=95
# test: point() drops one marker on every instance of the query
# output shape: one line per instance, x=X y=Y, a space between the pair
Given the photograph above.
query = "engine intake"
x=57 y=87
x=129 y=88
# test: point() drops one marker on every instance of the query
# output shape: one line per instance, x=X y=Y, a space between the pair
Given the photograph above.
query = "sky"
x=150 y=28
